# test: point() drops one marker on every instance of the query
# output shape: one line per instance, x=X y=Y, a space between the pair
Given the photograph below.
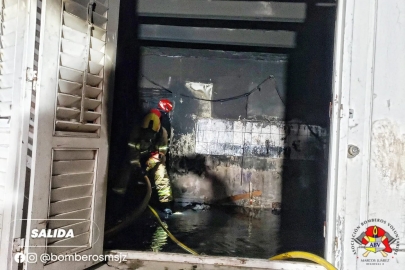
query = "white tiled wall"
x=263 y=139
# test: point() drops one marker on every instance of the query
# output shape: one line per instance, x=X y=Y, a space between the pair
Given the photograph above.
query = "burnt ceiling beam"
x=224 y=10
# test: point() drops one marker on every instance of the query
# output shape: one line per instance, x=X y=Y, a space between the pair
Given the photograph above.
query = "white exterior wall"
x=369 y=80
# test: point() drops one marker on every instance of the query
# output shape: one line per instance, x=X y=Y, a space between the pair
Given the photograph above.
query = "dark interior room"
x=247 y=156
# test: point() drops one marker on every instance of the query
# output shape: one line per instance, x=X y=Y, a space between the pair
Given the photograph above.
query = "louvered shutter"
x=71 y=198
x=70 y=144
x=81 y=68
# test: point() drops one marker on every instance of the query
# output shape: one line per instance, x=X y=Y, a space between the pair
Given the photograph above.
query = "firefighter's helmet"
x=165 y=105
x=152 y=120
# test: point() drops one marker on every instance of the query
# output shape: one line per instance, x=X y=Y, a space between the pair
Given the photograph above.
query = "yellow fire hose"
x=304 y=255
x=285 y=256
x=180 y=244
x=132 y=216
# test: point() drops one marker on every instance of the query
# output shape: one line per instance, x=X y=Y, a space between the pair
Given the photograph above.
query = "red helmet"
x=165 y=105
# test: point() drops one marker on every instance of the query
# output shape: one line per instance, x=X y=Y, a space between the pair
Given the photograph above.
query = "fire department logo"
x=375 y=236
x=375 y=239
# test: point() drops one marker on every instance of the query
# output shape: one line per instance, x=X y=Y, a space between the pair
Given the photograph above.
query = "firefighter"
x=148 y=146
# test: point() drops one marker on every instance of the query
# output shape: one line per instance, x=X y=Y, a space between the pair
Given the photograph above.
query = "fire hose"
x=129 y=219
x=304 y=255
x=180 y=244
x=139 y=210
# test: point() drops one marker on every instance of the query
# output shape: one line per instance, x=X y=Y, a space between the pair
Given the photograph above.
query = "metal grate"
x=81 y=67
x=71 y=199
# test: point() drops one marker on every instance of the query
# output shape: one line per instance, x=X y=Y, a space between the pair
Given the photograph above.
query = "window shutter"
x=76 y=58
x=81 y=67
x=71 y=199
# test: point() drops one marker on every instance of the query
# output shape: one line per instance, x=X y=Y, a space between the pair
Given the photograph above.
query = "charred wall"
x=226 y=148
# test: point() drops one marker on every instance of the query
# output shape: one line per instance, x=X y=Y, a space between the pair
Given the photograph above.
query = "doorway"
x=285 y=183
